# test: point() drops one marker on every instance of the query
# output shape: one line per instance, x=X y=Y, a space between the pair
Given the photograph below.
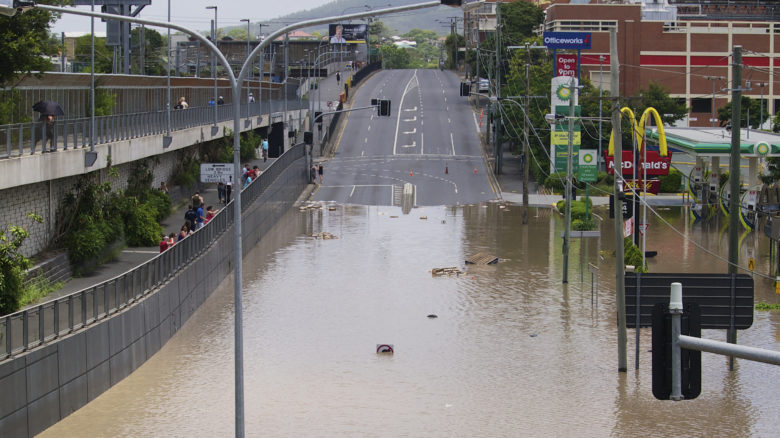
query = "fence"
x=23 y=138
x=24 y=330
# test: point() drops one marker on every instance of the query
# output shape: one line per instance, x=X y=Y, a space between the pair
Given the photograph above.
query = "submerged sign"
x=567 y=40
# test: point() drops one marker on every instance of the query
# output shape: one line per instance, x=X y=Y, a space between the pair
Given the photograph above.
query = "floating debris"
x=324 y=235
x=310 y=206
x=331 y=208
x=446 y=271
x=481 y=258
x=393 y=217
x=424 y=217
x=432 y=316
x=385 y=348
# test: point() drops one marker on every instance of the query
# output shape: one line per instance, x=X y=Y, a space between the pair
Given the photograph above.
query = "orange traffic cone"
x=411 y=173
x=475 y=171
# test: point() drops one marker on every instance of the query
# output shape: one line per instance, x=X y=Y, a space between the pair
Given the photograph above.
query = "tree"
x=452 y=44
x=749 y=106
x=394 y=57
x=26 y=43
x=154 y=49
x=104 y=58
x=238 y=33
x=12 y=266
x=656 y=96
x=519 y=20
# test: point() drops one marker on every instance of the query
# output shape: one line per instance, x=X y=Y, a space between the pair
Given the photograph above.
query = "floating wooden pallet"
x=482 y=259
x=446 y=271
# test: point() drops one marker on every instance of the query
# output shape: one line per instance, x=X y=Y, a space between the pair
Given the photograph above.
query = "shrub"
x=577 y=209
x=583 y=225
x=86 y=241
x=672 y=182
x=160 y=203
x=141 y=226
x=633 y=256
x=12 y=267
x=555 y=181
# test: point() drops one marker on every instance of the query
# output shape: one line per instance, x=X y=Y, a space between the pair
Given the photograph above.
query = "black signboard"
x=712 y=292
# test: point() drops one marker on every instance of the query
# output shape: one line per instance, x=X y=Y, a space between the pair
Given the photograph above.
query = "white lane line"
x=365 y=140
x=369 y=126
x=413 y=119
x=363 y=154
x=411 y=109
x=352 y=192
x=413 y=145
x=449 y=121
x=413 y=131
x=422 y=143
x=476 y=122
x=452 y=140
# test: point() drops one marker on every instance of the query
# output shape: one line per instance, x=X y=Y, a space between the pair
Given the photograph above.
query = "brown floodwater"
x=513 y=351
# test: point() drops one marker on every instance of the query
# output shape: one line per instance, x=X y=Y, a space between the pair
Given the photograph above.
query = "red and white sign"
x=655 y=164
x=628 y=227
x=653 y=185
x=566 y=65
x=643 y=228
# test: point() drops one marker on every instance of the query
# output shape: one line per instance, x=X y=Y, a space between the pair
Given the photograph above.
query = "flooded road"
x=513 y=352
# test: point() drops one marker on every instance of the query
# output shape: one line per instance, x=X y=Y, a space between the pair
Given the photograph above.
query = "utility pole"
x=620 y=263
x=497 y=113
x=567 y=193
x=526 y=146
x=734 y=177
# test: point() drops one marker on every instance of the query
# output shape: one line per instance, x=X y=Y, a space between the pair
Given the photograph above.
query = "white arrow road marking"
x=411 y=109
x=413 y=131
x=413 y=119
x=413 y=145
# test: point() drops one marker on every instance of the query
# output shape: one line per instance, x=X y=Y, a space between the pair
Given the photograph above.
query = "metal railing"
x=24 y=138
x=35 y=326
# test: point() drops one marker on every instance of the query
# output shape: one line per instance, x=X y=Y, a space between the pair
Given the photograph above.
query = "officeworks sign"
x=567 y=40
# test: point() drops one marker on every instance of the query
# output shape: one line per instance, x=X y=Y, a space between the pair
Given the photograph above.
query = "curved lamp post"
x=10 y=7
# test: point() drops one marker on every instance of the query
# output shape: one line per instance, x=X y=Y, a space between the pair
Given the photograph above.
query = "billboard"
x=346 y=33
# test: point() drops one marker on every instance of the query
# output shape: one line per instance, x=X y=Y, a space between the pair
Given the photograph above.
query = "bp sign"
x=588 y=171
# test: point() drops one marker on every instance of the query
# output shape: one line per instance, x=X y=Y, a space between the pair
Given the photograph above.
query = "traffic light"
x=318 y=117
x=384 y=107
x=690 y=360
x=465 y=89
x=308 y=138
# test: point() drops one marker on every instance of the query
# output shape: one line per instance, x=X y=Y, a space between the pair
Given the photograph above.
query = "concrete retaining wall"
x=41 y=387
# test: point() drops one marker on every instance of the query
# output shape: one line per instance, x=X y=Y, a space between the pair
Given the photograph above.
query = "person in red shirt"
x=164 y=243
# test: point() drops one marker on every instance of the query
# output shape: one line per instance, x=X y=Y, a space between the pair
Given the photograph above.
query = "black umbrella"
x=48 y=108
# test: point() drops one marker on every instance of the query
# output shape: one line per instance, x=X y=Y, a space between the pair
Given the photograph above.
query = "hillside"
x=435 y=19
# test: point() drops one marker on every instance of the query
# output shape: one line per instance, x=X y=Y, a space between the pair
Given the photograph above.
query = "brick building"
x=684 y=45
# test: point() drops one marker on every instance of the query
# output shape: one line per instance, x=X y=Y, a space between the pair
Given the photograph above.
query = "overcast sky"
x=193 y=13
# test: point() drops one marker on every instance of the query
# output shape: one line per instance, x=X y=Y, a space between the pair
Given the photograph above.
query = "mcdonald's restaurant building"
x=684 y=48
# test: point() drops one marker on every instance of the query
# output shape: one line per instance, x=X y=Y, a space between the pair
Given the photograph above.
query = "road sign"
x=215 y=172
x=751 y=264
x=588 y=171
x=643 y=228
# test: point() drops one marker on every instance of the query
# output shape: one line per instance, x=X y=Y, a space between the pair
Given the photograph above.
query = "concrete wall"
x=39 y=388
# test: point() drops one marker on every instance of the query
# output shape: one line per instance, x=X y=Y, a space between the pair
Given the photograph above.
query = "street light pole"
x=168 y=87
x=712 y=109
x=248 y=36
x=213 y=61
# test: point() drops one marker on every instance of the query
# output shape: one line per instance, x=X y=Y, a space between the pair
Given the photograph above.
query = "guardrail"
x=35 y=326
x=23 y=138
